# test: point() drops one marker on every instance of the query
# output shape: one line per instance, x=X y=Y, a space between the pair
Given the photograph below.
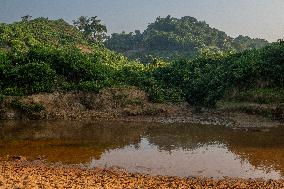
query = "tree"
x=280 y=41
x=91 y=28
x=26 y=18
x=172 y=38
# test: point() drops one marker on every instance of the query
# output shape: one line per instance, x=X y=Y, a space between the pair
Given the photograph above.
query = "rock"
x=17 y=158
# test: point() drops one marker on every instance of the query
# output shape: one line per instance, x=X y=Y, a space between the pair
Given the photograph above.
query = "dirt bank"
x=127 y=104
x=23 y=174
x=108 y=104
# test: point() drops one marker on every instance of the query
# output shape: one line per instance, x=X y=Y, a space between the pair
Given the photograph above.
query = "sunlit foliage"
x=43 y=55
x=171 y=38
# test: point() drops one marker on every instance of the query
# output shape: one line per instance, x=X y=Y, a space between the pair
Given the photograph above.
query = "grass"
x=271 y=111
x=27 y=108
x=260 y=96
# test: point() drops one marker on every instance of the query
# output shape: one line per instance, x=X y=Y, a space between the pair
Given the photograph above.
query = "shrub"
x=13 y=91
x=27 y=108
x=93 y=86
x=1 y=98
x=33 y=77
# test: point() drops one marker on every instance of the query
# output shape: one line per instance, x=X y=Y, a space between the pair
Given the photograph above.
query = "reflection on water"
x=173 y=149
x=206 y=160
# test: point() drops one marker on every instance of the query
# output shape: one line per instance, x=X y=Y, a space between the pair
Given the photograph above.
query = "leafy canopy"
x=91 y=28
x=44 y=55
x=171 y=38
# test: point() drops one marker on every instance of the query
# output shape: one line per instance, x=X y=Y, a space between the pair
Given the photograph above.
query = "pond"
x=183 y=150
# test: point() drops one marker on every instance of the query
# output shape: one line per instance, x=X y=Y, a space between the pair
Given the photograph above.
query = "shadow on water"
x=164 y=149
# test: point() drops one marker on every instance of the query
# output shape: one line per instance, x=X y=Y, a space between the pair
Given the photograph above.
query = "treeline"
x=171 y=38
x=45 y=59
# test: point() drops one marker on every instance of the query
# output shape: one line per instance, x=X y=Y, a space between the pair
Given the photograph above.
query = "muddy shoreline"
x=235 y=120
x=122 y=104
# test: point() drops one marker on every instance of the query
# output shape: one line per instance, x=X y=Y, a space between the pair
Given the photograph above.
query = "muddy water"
x=158 y=149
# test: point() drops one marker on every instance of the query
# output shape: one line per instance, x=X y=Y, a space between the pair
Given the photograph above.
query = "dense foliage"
x=44 y=58
x=172 y=38
x=42 y=55
x=91 y=28
x=208 y=78
x=20 y=36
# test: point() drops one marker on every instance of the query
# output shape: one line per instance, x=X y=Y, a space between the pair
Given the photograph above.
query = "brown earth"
x=22 y=174
x=108 y=104
x=125 y=103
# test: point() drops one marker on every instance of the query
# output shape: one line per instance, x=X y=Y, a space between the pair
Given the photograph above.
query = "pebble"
x=19 y=174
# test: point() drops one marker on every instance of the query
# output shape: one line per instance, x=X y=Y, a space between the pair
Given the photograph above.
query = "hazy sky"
x=255 y=18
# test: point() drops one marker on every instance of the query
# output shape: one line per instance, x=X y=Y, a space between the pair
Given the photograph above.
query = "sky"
x=255 y=18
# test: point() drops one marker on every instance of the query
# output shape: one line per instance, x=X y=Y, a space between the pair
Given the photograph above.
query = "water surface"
x=158 y=149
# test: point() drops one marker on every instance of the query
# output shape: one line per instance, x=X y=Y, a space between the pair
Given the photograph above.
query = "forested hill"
x=40 y=31
x=171 y=38
x=44 y=55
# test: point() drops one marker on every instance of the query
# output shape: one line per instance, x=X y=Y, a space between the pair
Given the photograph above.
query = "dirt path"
x=23 y=174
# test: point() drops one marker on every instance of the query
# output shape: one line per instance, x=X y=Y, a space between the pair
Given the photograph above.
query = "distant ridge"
x=170 y=38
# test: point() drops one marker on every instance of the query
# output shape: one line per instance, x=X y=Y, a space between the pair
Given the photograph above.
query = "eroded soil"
x=124 y=104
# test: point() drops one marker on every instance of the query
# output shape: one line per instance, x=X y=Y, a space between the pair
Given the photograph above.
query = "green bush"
x=27 y=108
x=33 y=77
x=260 y=95
x=1 y=98
x=92 y=86
x=4 y=58
x=13 y=91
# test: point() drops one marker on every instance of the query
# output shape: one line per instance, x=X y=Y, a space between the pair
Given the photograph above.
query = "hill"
x=20 y=36
x=44 y=55
x=169 y=38
x=34 y=61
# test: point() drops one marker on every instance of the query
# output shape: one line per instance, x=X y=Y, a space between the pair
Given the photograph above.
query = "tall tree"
x=91 y=27
x=26 y=18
